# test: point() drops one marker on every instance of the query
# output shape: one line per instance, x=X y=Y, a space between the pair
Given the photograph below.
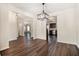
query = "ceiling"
x=35 y=8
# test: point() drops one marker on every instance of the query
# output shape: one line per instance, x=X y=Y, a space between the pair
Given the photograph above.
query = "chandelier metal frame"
x=43 y=15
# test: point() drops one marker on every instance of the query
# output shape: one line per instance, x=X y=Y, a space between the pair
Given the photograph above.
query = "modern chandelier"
x=43 y=15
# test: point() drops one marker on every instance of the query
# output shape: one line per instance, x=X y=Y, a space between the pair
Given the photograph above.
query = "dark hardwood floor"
x=38 y=47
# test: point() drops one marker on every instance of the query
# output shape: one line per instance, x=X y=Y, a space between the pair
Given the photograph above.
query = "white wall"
x=8 y=24
x=66 y=26
x=77 y=23
x=4 y=35
x=34 y=28
x=41 y=29
x=13 y=29
x=20 y=26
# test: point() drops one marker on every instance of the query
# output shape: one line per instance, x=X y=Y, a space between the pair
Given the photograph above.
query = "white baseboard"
x=3 y=48
x=11 y=37
x=6 y=47
x=14 y=38
x=68 y=42
x=77 y=45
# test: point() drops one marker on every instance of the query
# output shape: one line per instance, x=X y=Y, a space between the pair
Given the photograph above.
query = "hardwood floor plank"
x=38 y=47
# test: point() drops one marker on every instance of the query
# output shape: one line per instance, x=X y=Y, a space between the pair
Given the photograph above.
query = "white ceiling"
x=35 y=8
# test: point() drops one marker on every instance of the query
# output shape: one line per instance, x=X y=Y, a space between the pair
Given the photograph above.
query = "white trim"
x=6 y=47
x=68 y=42
x=15 y=38
x=77 y=45
x=3 y=48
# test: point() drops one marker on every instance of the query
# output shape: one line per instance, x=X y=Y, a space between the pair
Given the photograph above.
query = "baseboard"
x=77 y=45
x=68 y=42
x=14 y=38
x=40 y=38
x=4 y=48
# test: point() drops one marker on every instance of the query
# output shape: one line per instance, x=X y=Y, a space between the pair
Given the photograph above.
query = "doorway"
x=51 y=29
